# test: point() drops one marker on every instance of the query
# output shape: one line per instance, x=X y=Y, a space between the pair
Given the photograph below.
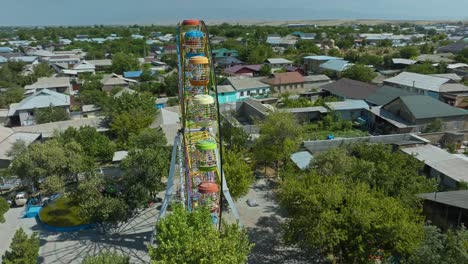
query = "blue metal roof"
x=3 y=59
x=5 y=49
x=194 y=34
x=132 y=74
x=335 y=65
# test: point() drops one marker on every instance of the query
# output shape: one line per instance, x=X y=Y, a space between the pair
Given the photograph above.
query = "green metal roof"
x=422 y=106
x=386 y=94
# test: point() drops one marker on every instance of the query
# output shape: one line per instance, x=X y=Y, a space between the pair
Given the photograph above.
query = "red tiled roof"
x=284 y=78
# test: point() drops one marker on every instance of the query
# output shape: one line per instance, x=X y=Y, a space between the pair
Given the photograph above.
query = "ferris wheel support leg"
x=169 y=187
x=230 y=201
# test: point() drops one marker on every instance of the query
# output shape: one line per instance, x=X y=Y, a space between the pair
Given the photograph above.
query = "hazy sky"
x=88 y=12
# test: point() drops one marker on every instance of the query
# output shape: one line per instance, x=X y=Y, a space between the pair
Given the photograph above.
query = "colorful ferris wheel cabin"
x=199 y=67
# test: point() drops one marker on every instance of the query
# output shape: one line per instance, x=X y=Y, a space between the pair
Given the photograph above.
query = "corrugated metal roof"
x=403 y=61
x=385 y=94
x=302 y=159
x=43 y=98
x=278 y=61
x=440 y=160
x=246 y=83
x=350 y=89
x=336 y=65
x=420 y=81
x=132 y=74
x=348 y=105
x=49 y=82
x=422 y=107
x=7 y=143
x=454 y=198
x=119 y=155
x=321 y=58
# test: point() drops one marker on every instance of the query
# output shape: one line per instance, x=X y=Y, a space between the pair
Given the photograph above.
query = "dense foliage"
x=4 y=206
x=184 y=237
x=359 y=72
x=106 y=257
x=24 y=249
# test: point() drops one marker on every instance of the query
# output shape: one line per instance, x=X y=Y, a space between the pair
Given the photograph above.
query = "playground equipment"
x=197 y=149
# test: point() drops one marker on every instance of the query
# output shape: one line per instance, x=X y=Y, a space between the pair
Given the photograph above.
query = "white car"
x=21 y=199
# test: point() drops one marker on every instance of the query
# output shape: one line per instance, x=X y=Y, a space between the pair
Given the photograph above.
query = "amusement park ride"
x=197 y=149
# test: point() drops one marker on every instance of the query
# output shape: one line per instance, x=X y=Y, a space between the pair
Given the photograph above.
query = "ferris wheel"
x=197 y=149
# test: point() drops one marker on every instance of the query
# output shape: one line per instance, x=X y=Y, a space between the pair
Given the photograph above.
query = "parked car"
x=21 y=198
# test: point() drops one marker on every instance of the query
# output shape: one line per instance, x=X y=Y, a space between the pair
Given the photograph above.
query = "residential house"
x=413 y=113
x=436 y=58
x=81 y=67
x=112 y=81
x=451 y=76
x=350 y=89
x=401 y=63
x=306 y=115
x=6 y=144
x=134 y=75
x=295 y=69
x=285 y=82
x=385 y=94
x=3 y=60
x=247 y=70
x=302 y=159
x=423 y=84
x=223 y=53
x=455 y=48
x=446 y=167
x=278 y=63
x=312 y=63
x=226 y=94
x=446 y=209
x=287 y=42
x=247 y=87
x=6 y=50
x=350 y=110
x=314 y=82
x=125 y=90
x=101 y=65
x=336 y=66
x=25 y=59
x=304 y=36
x=215 y=40
x=227 y=62
x=56 y=84
x=23 y=113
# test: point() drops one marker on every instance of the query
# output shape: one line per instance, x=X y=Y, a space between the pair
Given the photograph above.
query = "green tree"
x=129 y=114
x=308 y=47
x=24 y=249
x=409 y=52
x=334 y=52
x=18 y=147
x=280 y=136
x=148 y=138
x=106 y=257
x=184 y=237
x=265 y=70
x=12 y=95
x=51 y=114
x=52 y=185
x=122 y=62
x=42 y=160
x=42 y=70
x=93 y=143
x=96 y=206
x=350 y=222
x=425 y=68
x=359 y=72
x=435 y=126
x=239 y=174
x=143 y=172
x=441 y=248
x=4 y=207
x=234 y=137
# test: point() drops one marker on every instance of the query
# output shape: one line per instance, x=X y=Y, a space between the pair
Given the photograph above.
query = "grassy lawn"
x=62 y=213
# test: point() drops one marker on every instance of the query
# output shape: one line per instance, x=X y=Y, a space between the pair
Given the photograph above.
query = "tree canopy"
x=280 y=135
x=409 y=52
x=122 y=62
x=4 y=207
x=183 y=237
x=239 y=174
x=23 y=249
x=359 y=72
x=51 y=114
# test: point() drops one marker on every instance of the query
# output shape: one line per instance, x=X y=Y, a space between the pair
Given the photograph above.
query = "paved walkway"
x=13 y=222
x=264 y=227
